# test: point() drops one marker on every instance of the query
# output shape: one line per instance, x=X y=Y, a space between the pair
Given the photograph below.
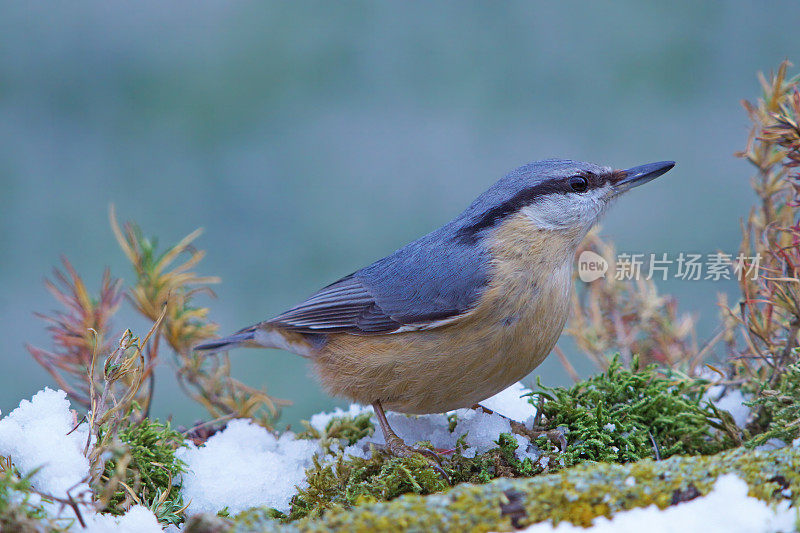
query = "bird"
x=461 y=313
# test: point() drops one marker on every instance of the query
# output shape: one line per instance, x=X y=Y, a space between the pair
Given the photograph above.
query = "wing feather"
x=343 y=306
x=425 y=284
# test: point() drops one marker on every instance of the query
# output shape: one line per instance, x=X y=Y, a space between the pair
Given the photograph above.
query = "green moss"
x=344 y=430
x=18 y=512
x=778 y=409
x=625 y=415
x=149 y=468
x=577 y=495
x=342 y=483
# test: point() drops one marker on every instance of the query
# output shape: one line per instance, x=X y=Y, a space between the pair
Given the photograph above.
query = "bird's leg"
x=399 y=448
x=553 y=435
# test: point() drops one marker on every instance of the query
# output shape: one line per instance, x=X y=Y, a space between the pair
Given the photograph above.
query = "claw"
x=430 y=454
x=444 y=451
x=399 y=448
x=555 y=436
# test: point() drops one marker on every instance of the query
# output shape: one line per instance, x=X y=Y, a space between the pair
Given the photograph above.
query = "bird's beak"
x=633 y=177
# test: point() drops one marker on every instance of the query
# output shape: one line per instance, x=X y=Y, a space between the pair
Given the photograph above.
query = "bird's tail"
x=263 y=335
x=243 y=337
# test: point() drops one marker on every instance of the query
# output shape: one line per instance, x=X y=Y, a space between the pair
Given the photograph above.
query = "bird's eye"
x=578 y=183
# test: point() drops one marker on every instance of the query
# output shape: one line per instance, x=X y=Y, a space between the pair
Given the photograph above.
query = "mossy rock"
x=577 y=495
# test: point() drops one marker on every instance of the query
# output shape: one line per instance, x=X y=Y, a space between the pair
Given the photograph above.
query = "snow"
x=481 y=430
x=771 y=444
x=526 y=449
x=138 y=519
x=512 y=403
x=733 y=402
x=39 y=434
x=726 y=509
x=244 y=466
x=726 y=397
x=412 y=429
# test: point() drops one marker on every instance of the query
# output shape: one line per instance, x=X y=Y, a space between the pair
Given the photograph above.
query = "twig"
x=220 y=419
x=566 y=364
x=655 y=446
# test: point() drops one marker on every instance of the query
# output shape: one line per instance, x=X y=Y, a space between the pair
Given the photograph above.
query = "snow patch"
x=138 y=519
x=41 y=433
x=726 y=509
x=512 y=403
x=481 y=430
x=244 y=466
x=771 y=444
x=732 y=401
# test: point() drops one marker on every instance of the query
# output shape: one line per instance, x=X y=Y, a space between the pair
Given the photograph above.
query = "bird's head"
x=555 y=195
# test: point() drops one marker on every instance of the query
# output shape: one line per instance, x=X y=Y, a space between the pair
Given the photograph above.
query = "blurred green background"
x=310 y=139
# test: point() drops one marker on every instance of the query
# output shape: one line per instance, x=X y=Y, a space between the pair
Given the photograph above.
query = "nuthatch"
x=461 y=313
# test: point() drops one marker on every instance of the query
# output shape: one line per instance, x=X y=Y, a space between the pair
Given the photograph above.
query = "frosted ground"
x=246 y=466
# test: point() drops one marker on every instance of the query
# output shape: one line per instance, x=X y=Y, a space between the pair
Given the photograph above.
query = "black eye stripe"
x=560 y=185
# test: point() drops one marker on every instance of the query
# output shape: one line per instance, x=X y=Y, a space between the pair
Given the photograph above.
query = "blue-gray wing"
x=430 y=280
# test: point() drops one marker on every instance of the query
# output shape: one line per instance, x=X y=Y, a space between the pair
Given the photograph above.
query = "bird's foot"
x=556 y=436
x=397 y=447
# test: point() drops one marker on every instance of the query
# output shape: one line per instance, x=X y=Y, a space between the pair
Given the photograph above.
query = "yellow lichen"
x=577 y=495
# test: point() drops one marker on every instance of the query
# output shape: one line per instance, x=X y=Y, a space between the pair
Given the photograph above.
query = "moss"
x=576 y=495
x=625 y=415
x=148 y=467
x=18 y=508
x=778 y=409
x=344 y=430
x=342 y=483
